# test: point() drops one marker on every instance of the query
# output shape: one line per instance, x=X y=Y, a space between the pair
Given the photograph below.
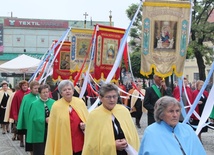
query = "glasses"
x=110 y=97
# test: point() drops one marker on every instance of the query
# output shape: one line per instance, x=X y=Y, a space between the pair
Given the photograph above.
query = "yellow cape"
x=134 y=99
x=99 y=134
x=59 y=140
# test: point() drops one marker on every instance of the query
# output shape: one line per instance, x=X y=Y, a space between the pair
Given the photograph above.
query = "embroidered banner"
x=72 y=54
x=165 y=29
x=61 y=67
x=80 y=44
x=107 y=44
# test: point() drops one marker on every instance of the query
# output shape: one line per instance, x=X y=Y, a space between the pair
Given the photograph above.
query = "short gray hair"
x=162 y=104
x=64 y=83
x=107 y=87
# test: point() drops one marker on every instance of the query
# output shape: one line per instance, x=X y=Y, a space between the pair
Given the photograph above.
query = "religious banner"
x=80 y=49
x=165 y=33
x=107 y=44
x=62 y=63
x=72 y=55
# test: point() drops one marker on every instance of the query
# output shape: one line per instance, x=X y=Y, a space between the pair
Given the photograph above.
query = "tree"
x=201 y=31
x=135 y=64
x=135 y=32
x=135 y=40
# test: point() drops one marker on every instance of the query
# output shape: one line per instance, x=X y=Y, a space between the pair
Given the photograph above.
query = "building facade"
x=34 y=37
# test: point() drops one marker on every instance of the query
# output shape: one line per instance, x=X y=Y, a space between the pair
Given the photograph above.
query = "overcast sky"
x=69 y=9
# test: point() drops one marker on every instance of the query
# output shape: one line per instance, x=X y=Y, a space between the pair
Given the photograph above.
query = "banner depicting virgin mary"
x=165 y=33
x=61 y=66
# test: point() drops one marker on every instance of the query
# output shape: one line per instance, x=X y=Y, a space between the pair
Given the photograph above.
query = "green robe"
x=24 y=110
x=212 y=114
x=36 y=121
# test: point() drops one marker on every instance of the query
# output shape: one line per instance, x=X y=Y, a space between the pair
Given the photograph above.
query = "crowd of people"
x=63 y=125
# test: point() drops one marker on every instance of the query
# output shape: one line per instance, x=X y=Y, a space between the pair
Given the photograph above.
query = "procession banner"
x=61 y=67
x=165 y=33
x=72 y=55
x=80 y=49
x=107 y=44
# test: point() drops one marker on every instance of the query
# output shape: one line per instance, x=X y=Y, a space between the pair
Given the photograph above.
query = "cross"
x=110 y=12
x=85 y=14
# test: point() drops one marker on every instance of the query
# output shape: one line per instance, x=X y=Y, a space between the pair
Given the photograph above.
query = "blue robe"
x=158 y=139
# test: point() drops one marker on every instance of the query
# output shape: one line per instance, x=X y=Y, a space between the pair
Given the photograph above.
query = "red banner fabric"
x=61 y=67
x=107 y=44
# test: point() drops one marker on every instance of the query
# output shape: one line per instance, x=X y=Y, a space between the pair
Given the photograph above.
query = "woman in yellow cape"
x=109 y=129
x=63 y=123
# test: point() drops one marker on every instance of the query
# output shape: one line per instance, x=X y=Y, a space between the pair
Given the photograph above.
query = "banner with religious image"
x=80 y=49
x=62 y=63
x=165 y=33
x=107 y=44
x=72 y=55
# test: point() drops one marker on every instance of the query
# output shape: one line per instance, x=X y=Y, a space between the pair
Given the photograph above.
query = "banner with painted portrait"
x=62 y=65
x=107 y=44
x=165 y=33
x=80 y=49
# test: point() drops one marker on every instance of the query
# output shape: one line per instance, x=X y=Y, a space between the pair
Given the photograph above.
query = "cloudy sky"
x=69 y=9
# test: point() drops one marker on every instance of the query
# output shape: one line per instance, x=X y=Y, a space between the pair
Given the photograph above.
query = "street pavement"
x=9 y=147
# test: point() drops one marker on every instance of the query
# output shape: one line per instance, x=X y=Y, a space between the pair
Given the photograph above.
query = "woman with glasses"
x=109 y=128
x=38 y=120
x=168 y=136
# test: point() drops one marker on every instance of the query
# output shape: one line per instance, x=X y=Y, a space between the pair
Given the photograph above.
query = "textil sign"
x=35 y=23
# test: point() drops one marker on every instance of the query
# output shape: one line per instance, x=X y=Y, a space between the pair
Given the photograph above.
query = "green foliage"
x=135 y=62
x=135 y=32
x=202 y=31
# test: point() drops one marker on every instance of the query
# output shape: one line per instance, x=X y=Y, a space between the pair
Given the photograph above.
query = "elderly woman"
x=5 y=93
x=109 y=128
x=16 y=106
x=24 y=112
x=167 y=135
x=66 y=123
x=200 y=107
x=38 y=120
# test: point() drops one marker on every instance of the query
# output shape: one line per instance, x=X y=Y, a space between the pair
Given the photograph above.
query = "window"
x=196 y=76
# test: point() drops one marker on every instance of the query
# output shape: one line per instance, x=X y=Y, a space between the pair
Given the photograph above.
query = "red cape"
x=194 y=94
x=16 y=102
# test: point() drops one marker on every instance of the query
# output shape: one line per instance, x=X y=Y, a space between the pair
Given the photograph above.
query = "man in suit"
x=153 y=93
